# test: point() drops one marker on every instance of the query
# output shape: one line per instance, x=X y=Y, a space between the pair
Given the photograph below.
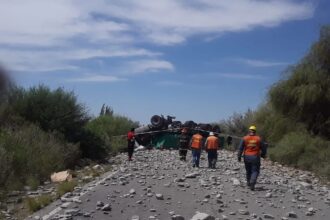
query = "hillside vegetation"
x=295 y=118
x=43 y=131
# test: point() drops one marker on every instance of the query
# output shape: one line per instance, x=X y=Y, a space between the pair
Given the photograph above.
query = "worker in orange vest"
x=196 y=144
x=252 y=148
x=212 y=146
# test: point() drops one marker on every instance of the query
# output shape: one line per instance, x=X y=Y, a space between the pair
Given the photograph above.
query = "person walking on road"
x=196 y=147
x=252 y=148
x=130 y=143
x=184 y=144
x=212 y=146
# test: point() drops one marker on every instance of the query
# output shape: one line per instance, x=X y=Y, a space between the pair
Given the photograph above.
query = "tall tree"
x=102 y=110
x=304 y=95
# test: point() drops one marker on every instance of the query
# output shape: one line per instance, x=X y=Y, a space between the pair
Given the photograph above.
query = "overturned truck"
x=164 y=132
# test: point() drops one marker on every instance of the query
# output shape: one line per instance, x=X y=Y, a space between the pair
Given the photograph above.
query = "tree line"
x=295 y=118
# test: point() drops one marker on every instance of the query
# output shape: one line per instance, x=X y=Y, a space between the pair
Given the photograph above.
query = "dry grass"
x=37 y=203
x=66 y=187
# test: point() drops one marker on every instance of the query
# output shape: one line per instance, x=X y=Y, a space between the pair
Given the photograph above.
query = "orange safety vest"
x=252 y=145
x=196 y=142
x=212 y=143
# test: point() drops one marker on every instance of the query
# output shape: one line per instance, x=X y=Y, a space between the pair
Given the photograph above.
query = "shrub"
x=91 y=145
x=118 y=144
x=37 y=203
x=108 y=126
x=31 y=154
x=5 y=165
x=56 y=110
x=66 y=187
x=301 y=150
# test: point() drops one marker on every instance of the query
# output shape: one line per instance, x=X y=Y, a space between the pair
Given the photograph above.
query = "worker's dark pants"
x=130 y=149
x=212 y=156
x=183 y=153
x=252 y=166
x=196 y=154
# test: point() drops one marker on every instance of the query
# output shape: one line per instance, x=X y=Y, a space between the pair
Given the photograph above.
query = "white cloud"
x=46 y=35
x=176 y=20
x=97 y=78
x=51 y=60
x=144 y=66
x=260 y=63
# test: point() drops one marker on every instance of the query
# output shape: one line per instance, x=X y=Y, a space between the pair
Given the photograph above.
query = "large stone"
x=177 y=217
x=306 y=185
x=268 y=195
x=202 y=216
x=71 y=211
x=269 y=216
x=243 y=212
x=106 y=207
x=192 y=175
x=292 y=215
x=99 y=204
x=160 y=196
x=235 y=181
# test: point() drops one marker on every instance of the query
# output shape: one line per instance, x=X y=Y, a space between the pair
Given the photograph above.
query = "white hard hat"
x=211 y=133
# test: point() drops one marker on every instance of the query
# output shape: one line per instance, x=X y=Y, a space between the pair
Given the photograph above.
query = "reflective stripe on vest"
x=196 y=142
x=212 y=143
x=252 y=145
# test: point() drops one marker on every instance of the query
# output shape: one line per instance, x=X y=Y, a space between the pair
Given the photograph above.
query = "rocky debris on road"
x=157 y=185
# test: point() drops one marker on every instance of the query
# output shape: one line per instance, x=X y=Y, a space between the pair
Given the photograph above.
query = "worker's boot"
x=252 y=186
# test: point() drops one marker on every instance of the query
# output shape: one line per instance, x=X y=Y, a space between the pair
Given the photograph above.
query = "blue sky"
x=199 y=60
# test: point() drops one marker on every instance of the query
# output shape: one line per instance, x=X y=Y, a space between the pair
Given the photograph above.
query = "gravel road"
x=157 y=185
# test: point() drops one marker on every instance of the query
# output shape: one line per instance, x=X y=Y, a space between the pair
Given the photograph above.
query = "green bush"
x=28 y=154
x=118 y=144
x=303 y=151
x=56 y=110
x=66 y=187
x=304 y=95
x=37 y=203
x=108 y=126
x=91 y=145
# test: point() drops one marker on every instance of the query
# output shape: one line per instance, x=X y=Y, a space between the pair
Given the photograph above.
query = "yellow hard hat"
x=253 y=128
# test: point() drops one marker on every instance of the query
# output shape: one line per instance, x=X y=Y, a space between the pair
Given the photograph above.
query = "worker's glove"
x=239 y=158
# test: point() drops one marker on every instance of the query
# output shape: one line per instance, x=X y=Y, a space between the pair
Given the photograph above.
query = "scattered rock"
x=243 y=212
x=268 y=216
x=135 y=217
x=235 y=181
x=160 y=196
x=202 y=216
x=292 y=215
x=106 y=207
